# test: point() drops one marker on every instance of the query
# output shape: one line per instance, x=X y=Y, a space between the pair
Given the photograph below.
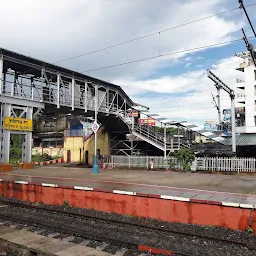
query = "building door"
x=86 y=157
x=68 y=156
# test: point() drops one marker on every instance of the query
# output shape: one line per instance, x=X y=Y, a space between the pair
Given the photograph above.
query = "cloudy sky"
x=175 y=86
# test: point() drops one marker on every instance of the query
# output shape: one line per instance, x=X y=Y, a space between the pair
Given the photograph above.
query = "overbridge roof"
x=24 y=61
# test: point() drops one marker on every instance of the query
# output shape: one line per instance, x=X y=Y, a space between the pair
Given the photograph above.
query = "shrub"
x=185 y=156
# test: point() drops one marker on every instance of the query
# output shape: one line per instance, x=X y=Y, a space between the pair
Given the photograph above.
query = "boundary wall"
x=162 y=207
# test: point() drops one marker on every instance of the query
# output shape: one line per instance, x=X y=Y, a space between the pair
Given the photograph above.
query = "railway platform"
x=231 y=189
x=193 y=198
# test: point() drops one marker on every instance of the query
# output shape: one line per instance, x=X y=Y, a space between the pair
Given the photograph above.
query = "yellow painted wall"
x=54 y=152
x=78 y=146
x=199 y=137
x=102 y=144
x=75 y=145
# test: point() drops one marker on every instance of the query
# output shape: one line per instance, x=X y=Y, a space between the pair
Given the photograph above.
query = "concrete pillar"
x=219 y=107
x=6 y=135
x=27 y=147
x=233 y=121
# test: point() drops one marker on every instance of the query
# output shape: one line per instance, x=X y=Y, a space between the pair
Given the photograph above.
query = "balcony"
x=240 y=84
x=240 y=95
x=241 y=67
x=240 y=98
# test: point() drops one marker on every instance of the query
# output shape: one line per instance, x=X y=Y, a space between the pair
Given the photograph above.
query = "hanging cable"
x=151 y=34
x=164 y=55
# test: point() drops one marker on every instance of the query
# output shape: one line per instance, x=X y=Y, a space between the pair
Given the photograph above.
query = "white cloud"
x=55 y=30
x=196 y=106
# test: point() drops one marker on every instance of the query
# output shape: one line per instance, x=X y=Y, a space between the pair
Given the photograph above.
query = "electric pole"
x=247 y=16
x=222 y=85
x=217 y=106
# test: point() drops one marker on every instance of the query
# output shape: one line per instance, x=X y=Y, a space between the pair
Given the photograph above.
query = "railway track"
x=99 y=237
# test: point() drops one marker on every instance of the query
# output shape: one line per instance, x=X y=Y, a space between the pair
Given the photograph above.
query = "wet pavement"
x=238 y=189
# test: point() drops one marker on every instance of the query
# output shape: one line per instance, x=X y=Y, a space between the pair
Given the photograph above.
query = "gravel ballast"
x=190 y=245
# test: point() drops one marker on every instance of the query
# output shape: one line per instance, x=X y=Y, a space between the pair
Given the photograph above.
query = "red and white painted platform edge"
x=132 y=193
x=54 y=161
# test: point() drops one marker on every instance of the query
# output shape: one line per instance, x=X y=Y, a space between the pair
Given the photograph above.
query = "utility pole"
x=250 y=48
x=231 y=93
x=247 y=16
x=217 y=106
x=95 y=128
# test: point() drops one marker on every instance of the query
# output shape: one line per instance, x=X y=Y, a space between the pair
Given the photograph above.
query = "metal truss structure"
x=34 y=86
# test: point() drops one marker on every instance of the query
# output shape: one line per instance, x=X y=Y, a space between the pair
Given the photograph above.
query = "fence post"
x=193 y=165
x=129 y=162
x=112 y=161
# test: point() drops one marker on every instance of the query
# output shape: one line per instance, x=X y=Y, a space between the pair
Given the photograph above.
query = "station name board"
x=148 y=121
x=18 y=124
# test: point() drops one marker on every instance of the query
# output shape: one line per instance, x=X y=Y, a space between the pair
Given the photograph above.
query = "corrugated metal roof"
x=245 y=139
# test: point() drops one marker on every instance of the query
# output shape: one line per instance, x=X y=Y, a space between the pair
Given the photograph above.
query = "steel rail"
x=144 y=226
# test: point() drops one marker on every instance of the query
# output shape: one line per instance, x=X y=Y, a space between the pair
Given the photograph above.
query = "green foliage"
x=65 y=204
x=16 y=146
x=185 y=156
x=249 y=229
x=15 y=149
x=169 y=131
x=47 y=157
x=172 y=164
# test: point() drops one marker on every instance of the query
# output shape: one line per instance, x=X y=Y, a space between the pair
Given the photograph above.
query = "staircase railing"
x=154 y=137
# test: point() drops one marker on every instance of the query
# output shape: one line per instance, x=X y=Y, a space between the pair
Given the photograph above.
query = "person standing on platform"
x=151 y=164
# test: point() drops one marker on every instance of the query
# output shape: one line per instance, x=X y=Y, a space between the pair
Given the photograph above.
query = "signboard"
x=210 y=125
x=148 y=121
x=18 y=124
x=227 y=115
x=240 y=110
x=95 y=127
x=135 y=113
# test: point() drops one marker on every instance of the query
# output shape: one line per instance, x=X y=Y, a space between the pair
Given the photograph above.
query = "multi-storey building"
x=246 y=95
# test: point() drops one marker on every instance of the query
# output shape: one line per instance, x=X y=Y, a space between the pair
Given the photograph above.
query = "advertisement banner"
x=135 y=113
x=18 y=124
x=227 y=115
x=147 y=121
x=211 y=125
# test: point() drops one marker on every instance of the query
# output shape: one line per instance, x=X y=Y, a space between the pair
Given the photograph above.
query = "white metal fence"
x=143 y=162
x=226 y=164
x=222 y=164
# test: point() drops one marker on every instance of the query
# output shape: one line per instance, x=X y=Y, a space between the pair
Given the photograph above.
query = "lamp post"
x=95 y=129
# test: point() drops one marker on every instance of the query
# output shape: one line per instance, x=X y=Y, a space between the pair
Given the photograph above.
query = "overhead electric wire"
x=151 y=34
x=165 y=54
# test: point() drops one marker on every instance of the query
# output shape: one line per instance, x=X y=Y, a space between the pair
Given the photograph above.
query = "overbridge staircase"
x=157 y=139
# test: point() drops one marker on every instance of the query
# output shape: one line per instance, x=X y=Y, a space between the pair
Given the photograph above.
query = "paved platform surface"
x=47 y=245
x=237 y=189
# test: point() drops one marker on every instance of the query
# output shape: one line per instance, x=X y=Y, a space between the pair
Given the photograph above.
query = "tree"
x=185 y=156
x=169 y=131
x=16 y=146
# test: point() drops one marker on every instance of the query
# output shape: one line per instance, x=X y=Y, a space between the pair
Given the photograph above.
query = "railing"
x=143 y=162
x=40 y=92
x=148 y=132
x=217 y=164
x=226 y=164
